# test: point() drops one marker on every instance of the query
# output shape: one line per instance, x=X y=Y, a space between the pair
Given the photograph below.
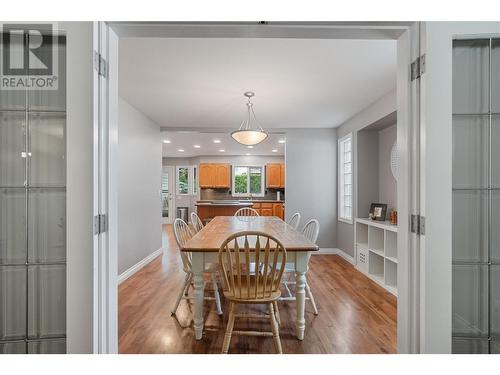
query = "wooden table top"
x=211 y=237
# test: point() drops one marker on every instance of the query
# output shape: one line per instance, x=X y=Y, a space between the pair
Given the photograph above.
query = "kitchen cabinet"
x=270 y=209
x=215 y=175
x=275 y=175
x=222 y=176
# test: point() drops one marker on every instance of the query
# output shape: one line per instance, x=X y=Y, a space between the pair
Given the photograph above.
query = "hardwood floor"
x=355 y=314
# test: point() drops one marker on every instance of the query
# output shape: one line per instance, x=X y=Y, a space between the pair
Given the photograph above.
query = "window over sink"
x=248 y=181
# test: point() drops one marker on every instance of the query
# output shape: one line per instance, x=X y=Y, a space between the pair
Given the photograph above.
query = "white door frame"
x=171 y=190
x=105 y=298
x=407 y=42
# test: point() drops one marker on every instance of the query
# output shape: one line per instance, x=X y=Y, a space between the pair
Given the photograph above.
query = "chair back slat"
x=196 y=221
x=246 y=213
x=182 y=235
x=311 y=230
x=294 y=220
x=269 y=261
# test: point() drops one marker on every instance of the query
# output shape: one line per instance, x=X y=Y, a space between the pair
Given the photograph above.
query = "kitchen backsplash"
x=225 y=194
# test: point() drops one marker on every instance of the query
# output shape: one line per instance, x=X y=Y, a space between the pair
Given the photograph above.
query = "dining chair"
x=310 y=231
x=294 y=220
x=183 y=234
x=196 y=221
x=245 y=286
x=246 y=212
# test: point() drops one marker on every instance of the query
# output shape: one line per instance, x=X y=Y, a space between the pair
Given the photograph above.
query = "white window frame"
x=192 y=190
x=248 y=194
x=341 y=177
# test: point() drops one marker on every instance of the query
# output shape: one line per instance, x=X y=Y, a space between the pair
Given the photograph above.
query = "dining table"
x=204 y=247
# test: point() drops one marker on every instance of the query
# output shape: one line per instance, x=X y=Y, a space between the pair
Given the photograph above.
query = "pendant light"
x=246 y=135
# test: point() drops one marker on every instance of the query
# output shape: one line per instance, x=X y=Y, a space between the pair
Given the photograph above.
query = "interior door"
x=440 y=166
x=167 y=194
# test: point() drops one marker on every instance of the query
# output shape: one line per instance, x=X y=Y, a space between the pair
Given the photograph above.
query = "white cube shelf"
x=376 y=245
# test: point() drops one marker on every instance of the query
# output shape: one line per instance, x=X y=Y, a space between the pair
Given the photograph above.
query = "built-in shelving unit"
x=377 y=251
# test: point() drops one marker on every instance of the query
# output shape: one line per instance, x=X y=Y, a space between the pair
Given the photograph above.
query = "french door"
x=167 y=194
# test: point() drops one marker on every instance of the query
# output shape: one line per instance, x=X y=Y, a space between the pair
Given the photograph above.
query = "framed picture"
x=378 y=211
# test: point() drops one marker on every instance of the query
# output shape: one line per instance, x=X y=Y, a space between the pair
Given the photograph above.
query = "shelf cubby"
x=376 y=246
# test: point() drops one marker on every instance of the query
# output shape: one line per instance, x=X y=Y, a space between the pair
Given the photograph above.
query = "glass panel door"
x=167 y=209
x=476 y=196
x=33 y=193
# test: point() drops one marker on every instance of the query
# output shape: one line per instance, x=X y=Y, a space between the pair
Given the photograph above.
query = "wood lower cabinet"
x=270 y=209
x=210 y=211
x=275 y=175
x=215 y=175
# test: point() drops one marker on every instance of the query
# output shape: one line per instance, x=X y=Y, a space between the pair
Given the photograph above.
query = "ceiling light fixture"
x=246 y=135
x=166 y=141
x=282 y=141
x=274 y=150
x=197 y=146
x=180 y=150
x=222 y=150
x=248 y=154
x=249 y=146
x=216 y=141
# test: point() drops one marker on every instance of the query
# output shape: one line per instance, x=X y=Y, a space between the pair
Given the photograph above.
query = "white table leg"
x=300 y=294
x=198 y=267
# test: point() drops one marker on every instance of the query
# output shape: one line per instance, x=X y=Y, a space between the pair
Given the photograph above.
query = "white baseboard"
x=335 y=251
x=136 y=267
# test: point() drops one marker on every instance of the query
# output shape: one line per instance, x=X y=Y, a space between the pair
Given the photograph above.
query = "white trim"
x=335 y=251
x=139 y=265
x=346 y=221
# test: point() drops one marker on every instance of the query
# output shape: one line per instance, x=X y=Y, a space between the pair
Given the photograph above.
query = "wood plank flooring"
x=355 y=314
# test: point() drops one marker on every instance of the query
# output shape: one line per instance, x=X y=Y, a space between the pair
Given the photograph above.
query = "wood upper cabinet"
x=215 y=175
x=222 y=176
x=207 y=175
x=275 y=175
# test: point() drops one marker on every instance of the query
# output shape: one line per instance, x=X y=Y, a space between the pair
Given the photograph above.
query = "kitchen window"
x=186 y=180
x=345 y=178
x=248 y=181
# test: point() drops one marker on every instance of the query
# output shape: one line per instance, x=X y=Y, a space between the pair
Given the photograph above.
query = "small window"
x=187 y=180
x=345 y=178
x=248 y=181
x=183 y=185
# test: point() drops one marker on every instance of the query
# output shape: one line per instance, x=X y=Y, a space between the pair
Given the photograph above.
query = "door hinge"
x=100 y=65
x=417 y=224
x=100 y=223
x=418 y=67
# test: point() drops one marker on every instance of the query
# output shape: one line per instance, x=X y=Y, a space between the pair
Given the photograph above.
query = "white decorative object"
x=394 y=160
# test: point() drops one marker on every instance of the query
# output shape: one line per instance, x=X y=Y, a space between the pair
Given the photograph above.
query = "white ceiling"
x=187 y=140
x=199 y=82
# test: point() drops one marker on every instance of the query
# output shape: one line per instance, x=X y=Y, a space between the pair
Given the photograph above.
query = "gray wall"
x=311 y=179
x=139 y=184
x=381 y=108
x=388 y=188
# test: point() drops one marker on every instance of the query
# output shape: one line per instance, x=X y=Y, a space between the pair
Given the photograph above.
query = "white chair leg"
x=311 y=298
x=216 y=292
x=184 y=289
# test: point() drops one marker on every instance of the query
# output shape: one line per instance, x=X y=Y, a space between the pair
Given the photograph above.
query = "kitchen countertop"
x=234 y=202
x=224 y=204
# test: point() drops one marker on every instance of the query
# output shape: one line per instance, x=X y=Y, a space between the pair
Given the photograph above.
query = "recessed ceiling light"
x=248 y=154
x=166 y=141
x=281 y=141
x=197 y=146
x=274 y=150
x=222 y=150
x=249 y=146
x=216 y=140
x=180 y=150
